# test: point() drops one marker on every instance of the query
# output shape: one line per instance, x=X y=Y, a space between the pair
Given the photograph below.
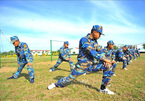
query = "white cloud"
x=114 y=11
x=45 y=29
x=118 y=29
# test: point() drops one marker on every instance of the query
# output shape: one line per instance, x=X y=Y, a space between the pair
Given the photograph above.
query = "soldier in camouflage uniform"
x=87 y=55
x=24 y=57
x=134 y=53
x=119 y=56
x=130 y=53
x=137 y=52
x=126 y=53
x=110 y=54
x=64 y=55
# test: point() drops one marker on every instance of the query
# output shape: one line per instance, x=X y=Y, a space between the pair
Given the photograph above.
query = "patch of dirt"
x=46 y=63
x=7 y=69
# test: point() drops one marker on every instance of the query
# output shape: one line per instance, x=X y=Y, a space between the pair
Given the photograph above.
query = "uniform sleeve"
x=113 y=55
x=128 y=52
x=27 y=52
x=137 y=51
x=69 y=54
x=131 y=52
x=89 y=49
x=104 y=50
x=62 y=53
x=18 y=59
x=120 y=54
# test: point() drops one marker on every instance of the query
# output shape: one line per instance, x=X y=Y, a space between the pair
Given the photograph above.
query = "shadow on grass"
x=97 y=72
x=77 y=82
x=26 y=75
x=82 y=83
x=58 y=77
x=63 y=69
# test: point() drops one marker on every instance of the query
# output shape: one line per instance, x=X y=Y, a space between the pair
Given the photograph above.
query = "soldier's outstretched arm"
x=89 y=49
x=18 y=59
x=27 y=54
x=62 y=54
x=69 y=54
x=113 y=55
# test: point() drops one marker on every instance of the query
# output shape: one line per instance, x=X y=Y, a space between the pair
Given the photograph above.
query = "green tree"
x=58 y=51
x=115 y=47
x=144 y=46
x=74 y=52
x=11 y=53
x=4 y=53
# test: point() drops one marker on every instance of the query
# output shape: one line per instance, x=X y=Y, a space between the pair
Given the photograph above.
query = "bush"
x=14 y=55
x=44 y=54
x=8 y=56
x=144 y=46
x=36 y=55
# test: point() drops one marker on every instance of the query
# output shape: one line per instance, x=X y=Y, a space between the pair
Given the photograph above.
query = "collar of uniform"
x=108 y=48
x=20 y=44
x=64 y=47
x=88 y=36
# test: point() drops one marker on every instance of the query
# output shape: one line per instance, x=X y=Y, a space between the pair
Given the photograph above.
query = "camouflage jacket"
x=23 y=53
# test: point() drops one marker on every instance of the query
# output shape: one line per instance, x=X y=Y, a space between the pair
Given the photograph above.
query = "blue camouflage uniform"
x=138 y=53
x=119 y=57
x=87 y=55
x=130 y=52
x=99 y=49
x=24 y=56
x=110 y=54
x=99 y=63
x=115 y=50
x=64 y=53
x=126 y=54
x=134 y=51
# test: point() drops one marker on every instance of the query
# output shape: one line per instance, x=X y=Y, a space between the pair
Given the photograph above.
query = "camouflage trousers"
x=122 y=60
x=60 y=60
x=79 y=71
x=29 y=68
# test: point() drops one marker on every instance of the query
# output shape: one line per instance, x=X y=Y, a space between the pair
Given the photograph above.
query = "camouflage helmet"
x=13 y=39
x=66 y=42
x=110 y=42
x=98 y=28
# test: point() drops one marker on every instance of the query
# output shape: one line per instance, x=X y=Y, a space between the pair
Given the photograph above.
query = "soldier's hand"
x=29 y=64
x=70 y=59
x=18 y=65
x=127 y=55
x=107 y=61
x=124 y=58
x=113 y=61
x=108 y=65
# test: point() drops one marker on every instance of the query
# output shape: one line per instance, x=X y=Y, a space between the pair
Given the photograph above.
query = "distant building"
x=40 y=52
x=140 y=46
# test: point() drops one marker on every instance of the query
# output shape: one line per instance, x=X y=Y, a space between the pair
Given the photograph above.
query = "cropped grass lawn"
x=127 y=85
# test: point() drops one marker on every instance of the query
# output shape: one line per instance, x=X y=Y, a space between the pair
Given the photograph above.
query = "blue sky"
x=37 y=22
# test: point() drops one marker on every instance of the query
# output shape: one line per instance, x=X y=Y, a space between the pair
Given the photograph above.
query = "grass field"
x=127 y=85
